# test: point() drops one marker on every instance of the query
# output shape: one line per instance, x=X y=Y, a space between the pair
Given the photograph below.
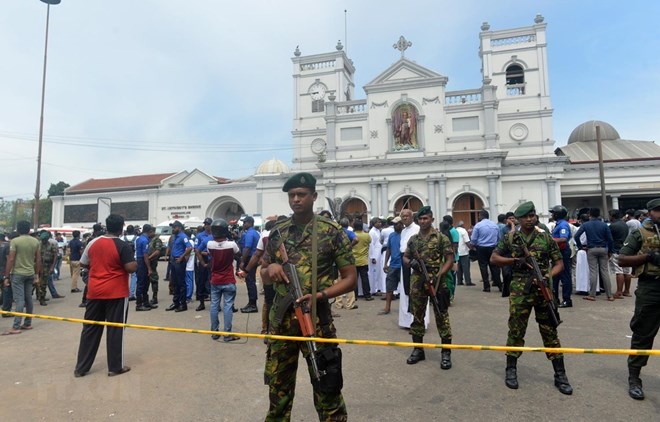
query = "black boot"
x=635 y=384
x=561 y=381
x=511 y=377
x=417 y=353
x=201 y=306
x=140 y=304
x=154 y=300
x=445 y=360
x=149 y=304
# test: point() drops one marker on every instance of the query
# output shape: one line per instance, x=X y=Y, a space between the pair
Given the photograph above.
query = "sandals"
x=610 y=298
x=591 y=298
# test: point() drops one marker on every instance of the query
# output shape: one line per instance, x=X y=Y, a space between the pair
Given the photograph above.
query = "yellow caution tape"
x=639 y=352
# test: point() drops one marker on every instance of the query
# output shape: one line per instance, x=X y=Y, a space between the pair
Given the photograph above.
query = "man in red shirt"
x=109 y=261
x=223 y=284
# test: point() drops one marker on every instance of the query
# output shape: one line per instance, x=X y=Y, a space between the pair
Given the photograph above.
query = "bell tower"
x=317 y=80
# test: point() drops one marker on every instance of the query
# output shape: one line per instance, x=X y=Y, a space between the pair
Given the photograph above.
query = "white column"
x=385 y=202
x=492 y=195
x=430 y=187
x=374 y=198
x=552 y=192
x=615 y=202
x=442 y=193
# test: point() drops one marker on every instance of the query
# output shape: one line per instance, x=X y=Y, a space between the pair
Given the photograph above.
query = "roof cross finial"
x=402 y=45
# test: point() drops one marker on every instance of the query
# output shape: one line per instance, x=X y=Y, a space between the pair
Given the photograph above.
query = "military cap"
x=176 y=223
x=208 y=220
x=653 y=204
x=524 y=209
x=424 y=211
x=147 y=228
x=300 y=180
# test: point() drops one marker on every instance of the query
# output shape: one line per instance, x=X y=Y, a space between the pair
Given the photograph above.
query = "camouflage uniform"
x=544 y=249
x=646 y=319
x=48 y=256
x=282 y=356
x=432 y=250
x=155 y=244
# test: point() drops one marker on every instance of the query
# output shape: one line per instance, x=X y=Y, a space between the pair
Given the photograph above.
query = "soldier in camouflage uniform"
x=434 y=250
x=642 y=250
x=295 y=234
x=48 y=258
x=510 y=251
x=155 y=246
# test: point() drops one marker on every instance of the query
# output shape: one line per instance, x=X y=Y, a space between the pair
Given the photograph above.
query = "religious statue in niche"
x=404 y=127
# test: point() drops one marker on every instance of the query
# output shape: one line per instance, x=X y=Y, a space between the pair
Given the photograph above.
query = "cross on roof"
x=402 y=45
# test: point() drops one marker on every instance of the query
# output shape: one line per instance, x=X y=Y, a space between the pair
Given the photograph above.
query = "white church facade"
x=409 y=142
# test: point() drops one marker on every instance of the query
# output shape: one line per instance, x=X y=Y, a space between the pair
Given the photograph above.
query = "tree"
x=57 y=189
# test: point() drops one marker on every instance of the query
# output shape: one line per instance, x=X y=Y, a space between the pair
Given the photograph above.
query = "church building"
x=404 y=142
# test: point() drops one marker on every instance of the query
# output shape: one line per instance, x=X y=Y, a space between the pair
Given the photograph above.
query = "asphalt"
x=189 y=377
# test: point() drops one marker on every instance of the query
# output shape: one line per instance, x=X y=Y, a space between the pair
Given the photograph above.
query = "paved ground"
x=189 y=377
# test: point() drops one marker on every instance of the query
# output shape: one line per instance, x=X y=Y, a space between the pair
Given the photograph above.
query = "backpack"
x=131 y=243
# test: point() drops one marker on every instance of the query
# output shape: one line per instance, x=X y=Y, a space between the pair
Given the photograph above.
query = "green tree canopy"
x=57 y=189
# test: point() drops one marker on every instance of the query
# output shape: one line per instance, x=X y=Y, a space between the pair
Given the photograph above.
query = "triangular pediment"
x=407 y=72
x=198 y=178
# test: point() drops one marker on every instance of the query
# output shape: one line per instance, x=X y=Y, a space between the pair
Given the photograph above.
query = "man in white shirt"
x=463 y=271
x=409 y=229
x=375 y=264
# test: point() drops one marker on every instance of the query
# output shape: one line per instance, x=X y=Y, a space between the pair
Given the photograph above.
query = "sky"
x=155 y=86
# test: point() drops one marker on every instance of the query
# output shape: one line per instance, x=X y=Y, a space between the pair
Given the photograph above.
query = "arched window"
x=515 y=80
x=410 y=202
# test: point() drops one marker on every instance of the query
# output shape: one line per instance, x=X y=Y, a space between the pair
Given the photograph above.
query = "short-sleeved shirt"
x=250 y=240
x=394 y=246
x=432 y=249
x=201 y=240
x=350 y=234
x=542 y=247
x=332 y=246
x=25 y=247
x=455 y=238
x=48 y=252
x=180 y=244
x=75 y=249
x=361 y=248
x=222 y=261
x=155 y=244
x=106 y=257
x=562 y=231
x=263 y=240
x=619 y=231
x=142 y=247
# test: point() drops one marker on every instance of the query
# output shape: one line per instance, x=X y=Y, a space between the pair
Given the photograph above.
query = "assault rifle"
x=428 y=282
x=538 y=280
x=303 y=313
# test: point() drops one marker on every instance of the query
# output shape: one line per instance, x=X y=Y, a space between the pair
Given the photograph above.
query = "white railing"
x=318 y=65
x=352 y=107
x=497 y=42
x=514 y=90
x=465 y=97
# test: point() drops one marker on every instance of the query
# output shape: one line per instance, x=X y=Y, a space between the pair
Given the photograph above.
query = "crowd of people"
x=404 y=258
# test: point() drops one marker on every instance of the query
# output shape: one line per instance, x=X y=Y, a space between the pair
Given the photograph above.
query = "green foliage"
x=57 y=190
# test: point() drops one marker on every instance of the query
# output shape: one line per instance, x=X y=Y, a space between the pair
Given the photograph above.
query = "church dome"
x=587 y=132
x=272 y=166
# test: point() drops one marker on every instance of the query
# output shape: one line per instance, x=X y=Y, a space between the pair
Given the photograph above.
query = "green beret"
x=524 y=209
x=653 y=204
x=300 y=180
x=424 y=211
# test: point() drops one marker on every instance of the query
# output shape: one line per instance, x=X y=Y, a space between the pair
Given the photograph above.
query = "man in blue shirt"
x=485 y=236
x=142 y=258
x=250 y=241
x=393 y=267
x=202 y=273
x=561 y=234
x=599 y=250
x=181 y=249
x=75 y=252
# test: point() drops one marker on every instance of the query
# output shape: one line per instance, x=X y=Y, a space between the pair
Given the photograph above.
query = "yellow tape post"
x=572 y=350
